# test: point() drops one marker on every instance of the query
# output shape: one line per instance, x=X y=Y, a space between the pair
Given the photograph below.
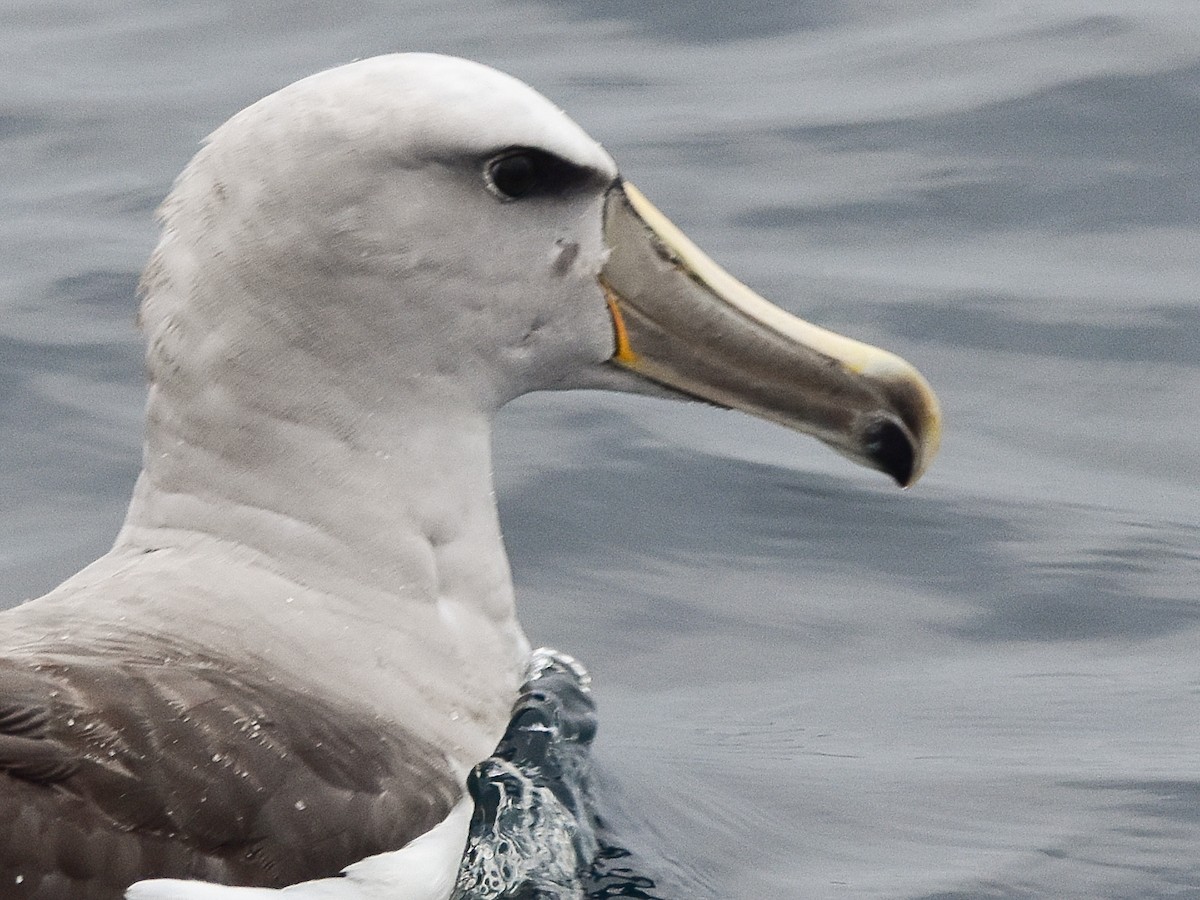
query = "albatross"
x=305 y=634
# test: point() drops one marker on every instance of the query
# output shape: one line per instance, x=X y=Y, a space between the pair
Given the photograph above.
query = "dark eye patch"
x=520 y=172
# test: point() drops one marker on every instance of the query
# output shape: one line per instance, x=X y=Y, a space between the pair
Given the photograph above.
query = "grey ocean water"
x=810 y=683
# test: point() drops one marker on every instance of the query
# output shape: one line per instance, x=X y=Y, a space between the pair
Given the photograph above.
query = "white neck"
x=381 y=510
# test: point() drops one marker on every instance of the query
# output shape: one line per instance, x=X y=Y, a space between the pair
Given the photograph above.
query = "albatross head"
x=417 y=229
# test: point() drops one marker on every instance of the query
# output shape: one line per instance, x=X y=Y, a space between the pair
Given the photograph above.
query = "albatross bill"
x=305 y=633
x=684 y=322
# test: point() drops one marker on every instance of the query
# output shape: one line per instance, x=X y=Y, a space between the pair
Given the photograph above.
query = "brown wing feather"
x=114 y=772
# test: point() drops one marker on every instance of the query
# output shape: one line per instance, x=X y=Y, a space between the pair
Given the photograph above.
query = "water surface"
x=810 y=684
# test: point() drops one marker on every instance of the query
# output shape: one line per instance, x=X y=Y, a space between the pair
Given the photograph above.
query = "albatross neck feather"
x=370 y=564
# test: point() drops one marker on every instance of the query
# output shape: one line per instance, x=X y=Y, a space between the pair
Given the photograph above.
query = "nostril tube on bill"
x=890 y=448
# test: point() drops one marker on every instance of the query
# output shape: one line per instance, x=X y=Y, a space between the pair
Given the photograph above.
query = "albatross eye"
x=526 y=172
x=513 y=175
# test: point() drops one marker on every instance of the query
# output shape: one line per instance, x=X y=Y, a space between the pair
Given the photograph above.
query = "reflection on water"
x=809 y=683
x=707 y=22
